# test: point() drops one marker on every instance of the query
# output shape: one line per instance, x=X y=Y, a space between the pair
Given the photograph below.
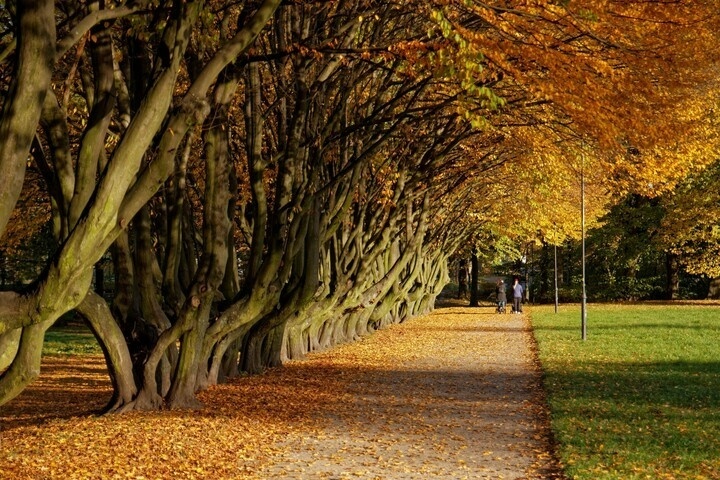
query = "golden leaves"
x=621 y=75
x=422 y=398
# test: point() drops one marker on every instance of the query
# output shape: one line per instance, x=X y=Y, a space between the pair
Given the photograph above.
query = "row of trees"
x=641 y=248
x=270 y=178
x=662 y=247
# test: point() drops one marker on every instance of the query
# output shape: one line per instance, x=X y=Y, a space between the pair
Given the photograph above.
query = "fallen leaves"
x=449 y=395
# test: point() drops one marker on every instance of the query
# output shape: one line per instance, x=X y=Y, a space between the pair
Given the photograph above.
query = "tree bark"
x=475 y=265
x=92 y=145
x=117 y=355
x=714 y=289
x=26 y=365
x=9 y=344
x=216 y=225
x=23 y=104
x=672 y=290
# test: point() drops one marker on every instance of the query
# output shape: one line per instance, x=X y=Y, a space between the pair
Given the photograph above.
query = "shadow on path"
x=450 y=395
x=454 y=394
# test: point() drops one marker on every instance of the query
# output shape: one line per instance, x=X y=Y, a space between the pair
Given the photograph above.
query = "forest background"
x=216 y=187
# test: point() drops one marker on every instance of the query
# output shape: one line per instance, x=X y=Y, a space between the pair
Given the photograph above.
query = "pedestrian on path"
x=517 y=296
x=500 y=296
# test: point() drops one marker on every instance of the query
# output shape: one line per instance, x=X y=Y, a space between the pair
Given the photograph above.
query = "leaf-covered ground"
x=455 y=394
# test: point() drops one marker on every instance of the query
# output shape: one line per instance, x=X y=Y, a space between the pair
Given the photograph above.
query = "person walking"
x=500 y=296
x=517 y=296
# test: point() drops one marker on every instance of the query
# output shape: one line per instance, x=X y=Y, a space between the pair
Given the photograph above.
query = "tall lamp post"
x=523 y=260
x=583 y=310
x=556 y=278
x=555 y=269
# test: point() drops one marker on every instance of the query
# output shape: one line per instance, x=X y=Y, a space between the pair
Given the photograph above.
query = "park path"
x=455 y=394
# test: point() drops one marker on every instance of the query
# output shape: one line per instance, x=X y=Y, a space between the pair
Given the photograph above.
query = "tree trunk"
x=295 y=345
x=182 y=391
x=117 y=355
x=9 y=344
x=544 y=280
x=672 y=291
x=714 y=289
x=92 y=145
x=475 y=265
x=26 y=365
x=23 y=103
x=99 y=282
x=150 y=397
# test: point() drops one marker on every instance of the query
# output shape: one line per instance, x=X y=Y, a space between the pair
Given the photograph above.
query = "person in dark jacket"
x=500 y=296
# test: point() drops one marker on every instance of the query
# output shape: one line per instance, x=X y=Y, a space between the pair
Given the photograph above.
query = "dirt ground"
x=452 y=395
x=462 y=399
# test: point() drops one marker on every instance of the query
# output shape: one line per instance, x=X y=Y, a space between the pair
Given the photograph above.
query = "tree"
x=689 y=231
x=94 y=214
x=266 y=192
x=623 y=245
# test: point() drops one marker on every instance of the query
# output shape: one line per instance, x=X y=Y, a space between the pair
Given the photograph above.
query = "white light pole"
x=524 y=259
x=583 y=311
x=556 y=278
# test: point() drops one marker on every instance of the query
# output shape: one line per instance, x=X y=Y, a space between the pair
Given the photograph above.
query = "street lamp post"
x=556 y=279
x=583 y=311
x=524 y=260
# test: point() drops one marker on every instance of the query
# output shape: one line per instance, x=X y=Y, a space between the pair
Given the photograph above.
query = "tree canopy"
x=269 y=178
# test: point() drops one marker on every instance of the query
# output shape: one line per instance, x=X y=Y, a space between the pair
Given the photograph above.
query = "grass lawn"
x=70 y=340
x=640 y=398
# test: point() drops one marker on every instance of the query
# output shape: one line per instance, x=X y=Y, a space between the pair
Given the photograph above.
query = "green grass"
x=640 y=398
x=70 y=340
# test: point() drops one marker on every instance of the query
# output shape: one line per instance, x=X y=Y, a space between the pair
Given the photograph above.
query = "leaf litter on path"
x=454 y=394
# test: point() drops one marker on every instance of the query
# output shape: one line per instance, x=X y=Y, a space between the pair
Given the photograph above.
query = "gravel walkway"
x=455 y=394
x=452 y=395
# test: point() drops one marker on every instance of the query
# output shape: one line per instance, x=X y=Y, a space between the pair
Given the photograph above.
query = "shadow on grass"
x=627 y=326
x=661 y=417
x=680 y=384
